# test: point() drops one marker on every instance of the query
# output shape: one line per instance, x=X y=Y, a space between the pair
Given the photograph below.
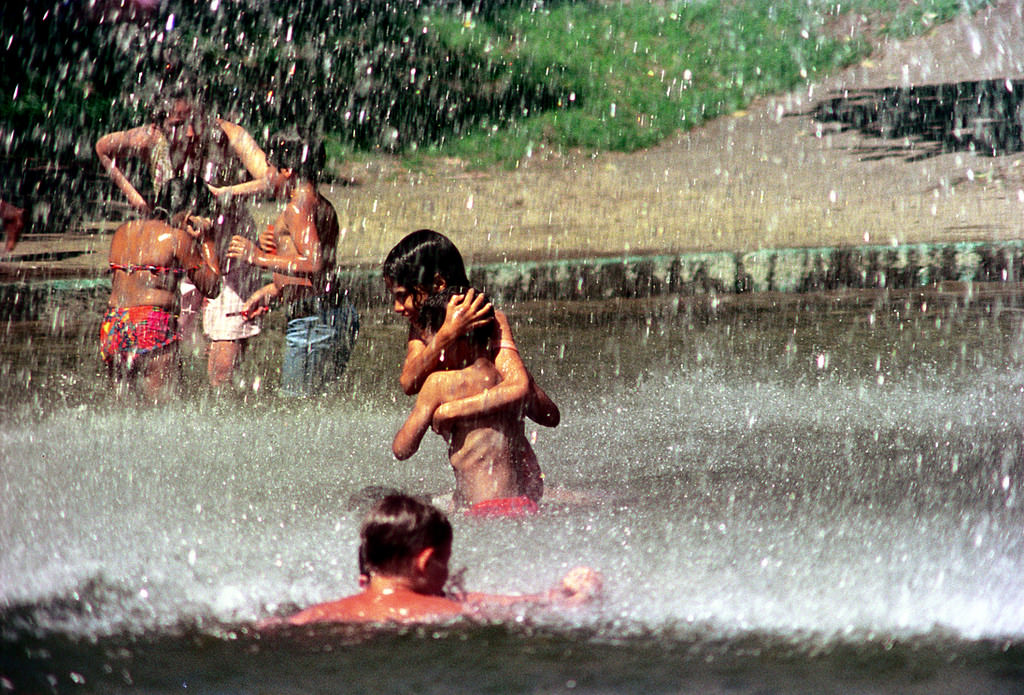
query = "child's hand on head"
x=467 y=311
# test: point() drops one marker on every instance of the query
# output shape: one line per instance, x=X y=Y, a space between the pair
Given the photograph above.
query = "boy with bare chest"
x=496 y=470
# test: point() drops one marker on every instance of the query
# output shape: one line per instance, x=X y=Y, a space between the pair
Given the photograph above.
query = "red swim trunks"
x=127 y=333
x=508 y=507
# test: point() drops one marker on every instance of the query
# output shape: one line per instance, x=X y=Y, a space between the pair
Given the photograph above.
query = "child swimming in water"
x=405 y=546
x=424 y=263
x=496 y=470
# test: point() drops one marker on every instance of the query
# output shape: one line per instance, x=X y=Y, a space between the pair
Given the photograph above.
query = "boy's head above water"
x=405 y=537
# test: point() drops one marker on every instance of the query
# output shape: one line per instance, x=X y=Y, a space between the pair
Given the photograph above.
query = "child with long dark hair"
x=425 y=263
x=496 y=470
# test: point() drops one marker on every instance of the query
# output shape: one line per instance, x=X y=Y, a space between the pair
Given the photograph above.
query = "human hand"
x=259 y=301
x=580 y=585
x=268 y=240
x=442 y=422
x=241 y=248
x=197 y=227
x=466 y=312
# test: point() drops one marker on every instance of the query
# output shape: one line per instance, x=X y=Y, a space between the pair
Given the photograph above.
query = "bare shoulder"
x=504 y=327
x=349 y=609
x=140 y=228
x=367 y=608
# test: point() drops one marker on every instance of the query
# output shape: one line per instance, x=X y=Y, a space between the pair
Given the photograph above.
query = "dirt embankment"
x=773 y=176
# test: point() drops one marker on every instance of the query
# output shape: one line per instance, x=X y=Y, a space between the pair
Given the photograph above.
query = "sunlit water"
x=815 y=495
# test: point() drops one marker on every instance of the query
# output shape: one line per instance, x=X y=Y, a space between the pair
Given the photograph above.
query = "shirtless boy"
x=496 y=470
x=404 y=549
x=148 y=258
x=299 y=249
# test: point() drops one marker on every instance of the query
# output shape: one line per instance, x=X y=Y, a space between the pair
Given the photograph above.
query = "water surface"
x=784 y=494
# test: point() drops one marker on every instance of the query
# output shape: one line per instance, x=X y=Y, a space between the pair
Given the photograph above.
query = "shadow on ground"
x=984 y=116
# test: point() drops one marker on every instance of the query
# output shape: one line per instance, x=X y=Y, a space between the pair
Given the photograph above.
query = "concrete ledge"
x=771 y=270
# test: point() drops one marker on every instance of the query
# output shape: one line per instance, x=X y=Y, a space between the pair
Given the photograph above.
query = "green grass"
x=490 y=88
x=631 y=75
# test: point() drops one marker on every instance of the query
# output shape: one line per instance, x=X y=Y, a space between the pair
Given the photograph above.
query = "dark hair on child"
x=183 y=194
x=305 y=156
x=164 y=103
x=397 y=529
x=419 y=257
x=435 y=307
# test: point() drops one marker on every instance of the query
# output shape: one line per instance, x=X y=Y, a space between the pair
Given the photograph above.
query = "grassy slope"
x=632 y=74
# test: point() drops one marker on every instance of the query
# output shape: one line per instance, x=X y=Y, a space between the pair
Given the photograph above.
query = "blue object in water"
x=317 y=349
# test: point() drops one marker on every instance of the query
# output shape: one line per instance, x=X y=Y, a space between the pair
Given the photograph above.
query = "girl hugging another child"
x=424 y=264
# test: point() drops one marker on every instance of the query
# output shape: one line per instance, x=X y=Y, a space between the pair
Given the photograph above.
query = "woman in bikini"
x=182 y=142
x=148 y=259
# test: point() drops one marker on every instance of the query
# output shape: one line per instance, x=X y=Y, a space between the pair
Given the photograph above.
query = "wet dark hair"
x=417 y=258
x=397 y=529
x=165 y=105
x=435 y=307
x=183 y=194
x=304 y=155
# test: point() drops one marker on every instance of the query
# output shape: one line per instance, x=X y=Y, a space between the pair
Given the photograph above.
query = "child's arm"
x=540 y=408
x=517 y=387
x=580 y=585
x=422 y=358
x=250 y=187
x=253 y=158
x=114 y=145
x=196 y=252
x=408 y=439
x=259 y=301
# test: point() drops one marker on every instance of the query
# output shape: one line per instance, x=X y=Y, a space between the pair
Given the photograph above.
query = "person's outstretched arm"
x=112 y=146
x=252 y=156
x=580 y=585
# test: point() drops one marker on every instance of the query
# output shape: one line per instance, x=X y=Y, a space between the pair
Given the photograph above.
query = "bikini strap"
x=131 y=268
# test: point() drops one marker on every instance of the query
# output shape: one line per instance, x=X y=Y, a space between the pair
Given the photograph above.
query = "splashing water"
x=724 y=499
